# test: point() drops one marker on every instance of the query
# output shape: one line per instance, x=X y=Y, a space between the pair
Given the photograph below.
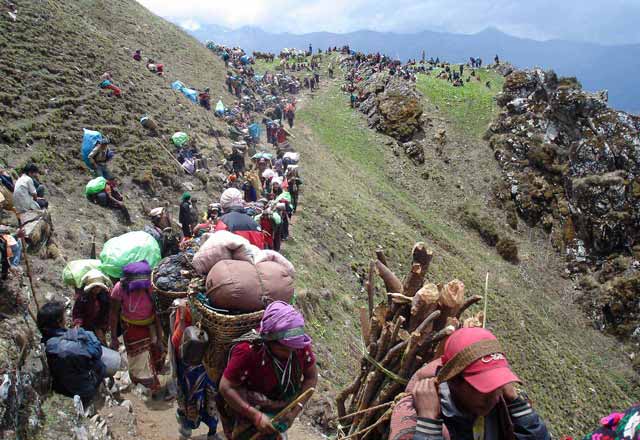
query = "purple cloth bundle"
x=137 y=275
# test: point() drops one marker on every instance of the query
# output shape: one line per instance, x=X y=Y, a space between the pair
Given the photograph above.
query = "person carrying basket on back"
x=266 y=373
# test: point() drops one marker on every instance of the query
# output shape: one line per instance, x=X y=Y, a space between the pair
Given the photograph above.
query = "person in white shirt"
x=25 y=194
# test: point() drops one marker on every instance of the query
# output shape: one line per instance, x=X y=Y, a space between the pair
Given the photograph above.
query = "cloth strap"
x=284 y=334
x=139 y=322
x=466 y=357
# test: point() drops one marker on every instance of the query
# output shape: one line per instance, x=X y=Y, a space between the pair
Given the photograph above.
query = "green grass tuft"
x=471 y=108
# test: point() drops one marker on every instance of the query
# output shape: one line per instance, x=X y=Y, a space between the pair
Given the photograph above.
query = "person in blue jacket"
x=73 y=355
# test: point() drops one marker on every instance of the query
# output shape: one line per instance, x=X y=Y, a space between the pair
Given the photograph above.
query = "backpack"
x=74 y=362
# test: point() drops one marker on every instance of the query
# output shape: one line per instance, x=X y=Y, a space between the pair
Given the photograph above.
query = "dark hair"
x=50 y=315
x=30 y=168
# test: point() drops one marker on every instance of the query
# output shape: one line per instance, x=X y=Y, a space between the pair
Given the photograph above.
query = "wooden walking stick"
x=26 y=261
x=302 y=397
x=170 y=154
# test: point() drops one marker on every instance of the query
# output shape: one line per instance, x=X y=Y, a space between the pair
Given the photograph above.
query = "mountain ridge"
x=597 y=66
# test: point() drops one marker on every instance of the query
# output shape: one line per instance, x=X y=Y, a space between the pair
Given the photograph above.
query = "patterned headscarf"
x=283 y=323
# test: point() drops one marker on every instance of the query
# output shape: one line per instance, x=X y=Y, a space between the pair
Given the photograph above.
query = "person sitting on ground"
x=470 y=392
x=109 y=197
x=236 y=220
x=184 y=216
x=91 y=305
x=106 y=82
x=73 y=355
x=11 y=248
x=25 y=192
x=205 y=99
x=158 y=69
x=266 y=373
x=99 y=156
x=137 y=55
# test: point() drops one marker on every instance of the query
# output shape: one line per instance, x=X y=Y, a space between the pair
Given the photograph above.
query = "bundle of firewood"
x=401 y=334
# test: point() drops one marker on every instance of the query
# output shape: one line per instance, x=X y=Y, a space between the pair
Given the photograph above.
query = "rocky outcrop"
x=572 y=166
x=392 y=105
x=24 y=375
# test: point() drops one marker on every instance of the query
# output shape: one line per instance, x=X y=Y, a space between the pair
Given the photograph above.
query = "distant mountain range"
x=597 y=67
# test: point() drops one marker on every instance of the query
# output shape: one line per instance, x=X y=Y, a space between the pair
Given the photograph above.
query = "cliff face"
x=572 y=165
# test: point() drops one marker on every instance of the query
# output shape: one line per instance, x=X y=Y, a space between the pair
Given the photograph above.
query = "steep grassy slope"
x=359 y=195
x=470 y=108
x=52 y=59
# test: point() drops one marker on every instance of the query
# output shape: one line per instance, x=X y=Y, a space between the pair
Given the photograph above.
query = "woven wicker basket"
x=222 y=330
x=163 y=300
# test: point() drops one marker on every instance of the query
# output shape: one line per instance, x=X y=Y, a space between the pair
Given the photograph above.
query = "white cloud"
x=190 y=25
x=610 y=22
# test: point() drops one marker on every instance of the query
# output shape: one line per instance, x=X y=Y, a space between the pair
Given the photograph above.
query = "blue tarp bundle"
x=254 y=131
x=189 y=93
x=244 y=59
x=89 y=140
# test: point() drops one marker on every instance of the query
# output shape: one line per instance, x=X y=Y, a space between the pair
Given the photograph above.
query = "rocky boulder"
x=392 y=104
x=572 y=166
x=400 y=109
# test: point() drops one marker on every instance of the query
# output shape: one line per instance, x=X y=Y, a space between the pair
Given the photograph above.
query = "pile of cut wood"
x=400 y=335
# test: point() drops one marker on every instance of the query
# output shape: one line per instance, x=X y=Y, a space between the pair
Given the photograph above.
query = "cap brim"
x=490 y=380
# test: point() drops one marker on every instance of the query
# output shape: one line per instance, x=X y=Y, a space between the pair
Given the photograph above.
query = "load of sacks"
x=240 y=277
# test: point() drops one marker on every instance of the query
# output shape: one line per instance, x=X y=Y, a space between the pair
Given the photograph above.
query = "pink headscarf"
x=283 y=323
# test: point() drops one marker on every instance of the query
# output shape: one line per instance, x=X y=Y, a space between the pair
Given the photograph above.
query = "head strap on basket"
x=277 y=336
x=466 y=357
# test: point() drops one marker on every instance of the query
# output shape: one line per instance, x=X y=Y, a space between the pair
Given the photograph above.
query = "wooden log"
x=424 y=302
x=450 y=302
x=370 y=287
x=391 y=282
x=374 y=330
x=468 y=303
x=421 y=259
x=381 y=257
x=399 y=298
x=365 y=367
x=365 y=324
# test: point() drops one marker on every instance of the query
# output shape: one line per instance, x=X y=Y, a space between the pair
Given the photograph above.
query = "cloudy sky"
x=602 y=21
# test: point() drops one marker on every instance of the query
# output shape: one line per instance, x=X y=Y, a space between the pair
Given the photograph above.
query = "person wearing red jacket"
x=236 y=220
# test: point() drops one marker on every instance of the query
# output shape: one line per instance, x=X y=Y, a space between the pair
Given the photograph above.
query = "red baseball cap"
x=490 y=370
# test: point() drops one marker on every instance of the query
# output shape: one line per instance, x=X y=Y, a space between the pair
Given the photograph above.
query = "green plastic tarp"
x=128 y=248
x=179 y=138
x=286 y=195
x=262 y=155
x=74 y=271
x=95 y=186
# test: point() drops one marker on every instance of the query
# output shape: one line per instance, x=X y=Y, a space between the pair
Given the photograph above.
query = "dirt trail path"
x=156 y=420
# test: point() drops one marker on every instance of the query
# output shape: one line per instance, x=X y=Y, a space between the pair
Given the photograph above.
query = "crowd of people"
x=467 y=393
x=260 y=197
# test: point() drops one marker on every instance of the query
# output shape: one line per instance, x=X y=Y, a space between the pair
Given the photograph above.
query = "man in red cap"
x=467 y=394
